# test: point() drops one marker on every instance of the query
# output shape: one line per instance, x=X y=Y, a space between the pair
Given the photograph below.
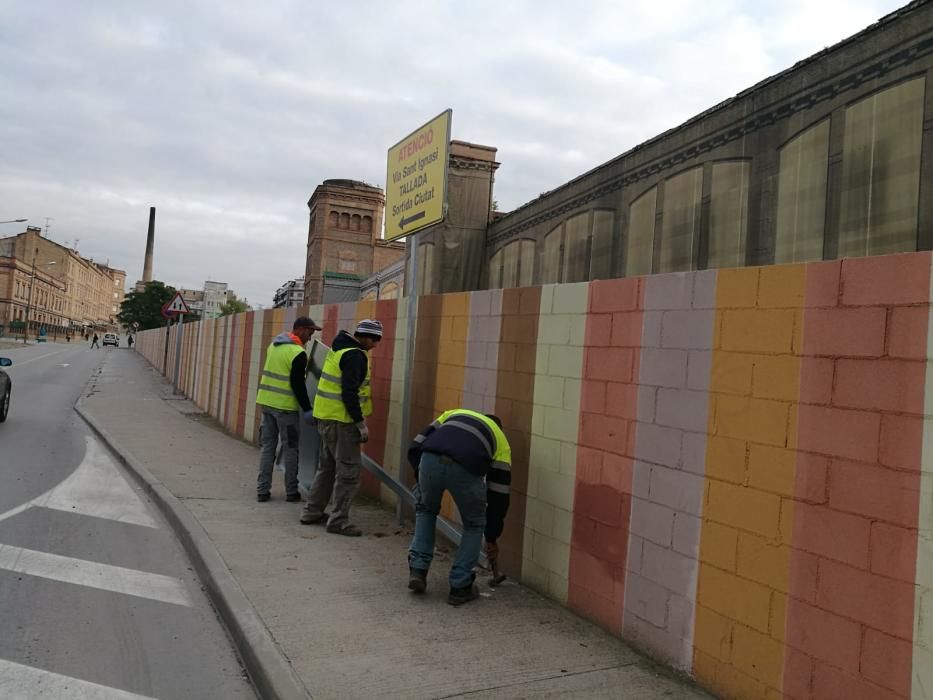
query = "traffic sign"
x=177 y=305
x=416 y=179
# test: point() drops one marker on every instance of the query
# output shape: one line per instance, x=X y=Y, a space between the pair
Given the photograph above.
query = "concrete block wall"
x=730 y=469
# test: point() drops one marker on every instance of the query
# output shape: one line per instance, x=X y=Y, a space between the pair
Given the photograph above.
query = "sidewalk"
x=338 y=608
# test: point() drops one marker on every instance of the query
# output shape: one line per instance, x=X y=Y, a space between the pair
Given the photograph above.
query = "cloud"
x=225 y=116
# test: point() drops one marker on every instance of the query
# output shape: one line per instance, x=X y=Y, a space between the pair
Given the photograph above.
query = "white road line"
x=95 y=488
x=94 y=575
x=19 y=682
x=33 y=359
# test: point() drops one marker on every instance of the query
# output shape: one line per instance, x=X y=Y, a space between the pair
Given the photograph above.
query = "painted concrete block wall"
x=552 y=464
x=731 y=469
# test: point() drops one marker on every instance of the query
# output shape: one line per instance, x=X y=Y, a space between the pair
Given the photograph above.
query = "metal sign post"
x=179 y=326
x=176 y=308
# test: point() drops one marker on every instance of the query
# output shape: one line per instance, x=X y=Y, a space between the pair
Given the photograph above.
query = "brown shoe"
x=306 y=519
x=345 y=530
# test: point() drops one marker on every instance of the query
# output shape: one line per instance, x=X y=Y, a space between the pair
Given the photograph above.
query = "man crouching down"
x=467 y=454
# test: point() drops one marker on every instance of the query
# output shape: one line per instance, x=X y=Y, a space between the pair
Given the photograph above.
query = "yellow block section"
x=750 y=470
x=451 y=365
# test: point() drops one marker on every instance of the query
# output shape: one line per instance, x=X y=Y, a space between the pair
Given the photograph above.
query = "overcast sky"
x=226 y=115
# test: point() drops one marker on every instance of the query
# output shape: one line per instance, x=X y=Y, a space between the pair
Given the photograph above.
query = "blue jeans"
x=437 y=474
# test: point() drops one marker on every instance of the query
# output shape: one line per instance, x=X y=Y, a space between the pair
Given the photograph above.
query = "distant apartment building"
x=292 y=293
x=215 y=296
x=194 y=298
x=56 y=287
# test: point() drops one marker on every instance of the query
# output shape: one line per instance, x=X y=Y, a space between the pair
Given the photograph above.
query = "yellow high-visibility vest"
x=328 y=403
x=275 y=389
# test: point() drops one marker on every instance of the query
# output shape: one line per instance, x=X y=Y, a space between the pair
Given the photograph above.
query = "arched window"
x=551 y=257
x=518 y=259
x=367 y=224
x=639 y=248
x=801 y=205
x=345 y=221
x=881 y=172
x=576 y=237
x=728 y=218
x=355 y=222
x=389 y=291
x=333 y=219
x=680 y=220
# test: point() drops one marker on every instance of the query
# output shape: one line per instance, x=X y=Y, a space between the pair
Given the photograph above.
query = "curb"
x=272 y=675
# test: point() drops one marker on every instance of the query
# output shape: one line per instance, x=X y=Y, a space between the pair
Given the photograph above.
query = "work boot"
x=308 y=519
x=459 y=596
x=292 y=497
x=417 y=580
x=347 y=530
x=262 y=497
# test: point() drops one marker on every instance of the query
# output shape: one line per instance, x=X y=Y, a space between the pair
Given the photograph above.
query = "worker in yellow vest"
x=341 y=405
x=465 y=453
x=283 y=398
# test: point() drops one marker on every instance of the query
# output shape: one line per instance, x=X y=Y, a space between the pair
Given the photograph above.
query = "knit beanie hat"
x=371 y=327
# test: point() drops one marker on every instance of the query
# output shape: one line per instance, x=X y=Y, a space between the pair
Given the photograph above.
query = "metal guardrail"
x=308 y=454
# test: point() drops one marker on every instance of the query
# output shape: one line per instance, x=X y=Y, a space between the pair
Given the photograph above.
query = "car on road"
x=111 y=339
x=6 y=388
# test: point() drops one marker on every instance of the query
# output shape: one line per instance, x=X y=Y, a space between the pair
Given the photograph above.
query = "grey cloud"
x=226 y=115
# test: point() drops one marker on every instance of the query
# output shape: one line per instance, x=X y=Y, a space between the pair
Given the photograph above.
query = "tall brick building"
x=345 y=243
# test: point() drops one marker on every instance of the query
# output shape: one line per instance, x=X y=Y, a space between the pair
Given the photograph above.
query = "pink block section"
x=602 y=495
x=850 y=609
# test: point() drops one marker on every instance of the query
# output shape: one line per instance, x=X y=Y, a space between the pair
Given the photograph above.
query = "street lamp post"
x=32 y=281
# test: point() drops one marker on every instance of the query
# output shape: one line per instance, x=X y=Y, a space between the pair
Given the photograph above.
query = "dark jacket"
x=353 y=368
x=470 y=442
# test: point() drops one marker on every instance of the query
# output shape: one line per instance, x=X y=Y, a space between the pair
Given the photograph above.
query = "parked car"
x=6 y=388
x=111 y=339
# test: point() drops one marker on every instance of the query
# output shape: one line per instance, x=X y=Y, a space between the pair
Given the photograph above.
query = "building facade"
x=56 y=287
x=345 y=243
x=831 y=158
x=215 y=296
x=194 y=298
x=386 y=283
x=290 y=294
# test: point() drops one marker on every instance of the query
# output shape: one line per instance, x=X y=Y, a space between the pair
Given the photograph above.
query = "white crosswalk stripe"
x=88 y=573
x=20 y=682
x=97 y=489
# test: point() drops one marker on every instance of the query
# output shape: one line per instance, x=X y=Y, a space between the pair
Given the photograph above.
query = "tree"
x=145 y=307
x=233 y=305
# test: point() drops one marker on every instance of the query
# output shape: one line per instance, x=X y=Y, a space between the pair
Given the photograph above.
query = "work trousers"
x=338 y=472
x=437 y=474
x=276 y=423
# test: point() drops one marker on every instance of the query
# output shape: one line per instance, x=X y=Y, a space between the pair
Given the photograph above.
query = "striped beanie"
x=369 y=326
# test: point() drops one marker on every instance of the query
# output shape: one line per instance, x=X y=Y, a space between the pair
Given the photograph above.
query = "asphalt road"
x=97 y=599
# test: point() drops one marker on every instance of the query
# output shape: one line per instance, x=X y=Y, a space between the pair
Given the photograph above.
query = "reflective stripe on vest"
x=275 y=389
x=328 y=402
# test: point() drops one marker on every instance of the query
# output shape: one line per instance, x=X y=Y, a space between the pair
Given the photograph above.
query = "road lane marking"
x=20 y=682
x=33 y=359
x=95 y=488
x=82 y=572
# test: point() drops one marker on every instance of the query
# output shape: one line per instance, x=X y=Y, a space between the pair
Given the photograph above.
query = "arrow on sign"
x=405 y=220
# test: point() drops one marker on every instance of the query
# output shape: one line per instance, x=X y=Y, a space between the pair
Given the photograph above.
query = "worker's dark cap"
x=305 y=322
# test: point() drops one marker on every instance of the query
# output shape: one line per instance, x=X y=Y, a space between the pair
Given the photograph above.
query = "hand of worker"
x=492 y=551
x=308 y=417
x=364 y=431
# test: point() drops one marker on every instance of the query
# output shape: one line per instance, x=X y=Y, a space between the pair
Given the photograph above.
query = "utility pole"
x=47 y=225
x=32 y=281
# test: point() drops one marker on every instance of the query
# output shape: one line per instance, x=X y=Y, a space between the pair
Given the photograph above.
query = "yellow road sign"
x=416 y=180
